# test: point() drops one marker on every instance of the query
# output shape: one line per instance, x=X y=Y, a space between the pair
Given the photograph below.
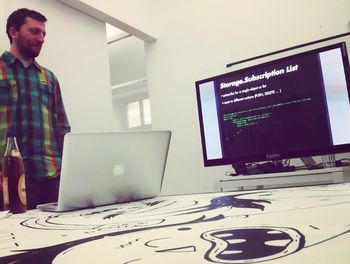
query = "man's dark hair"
x=18 y=17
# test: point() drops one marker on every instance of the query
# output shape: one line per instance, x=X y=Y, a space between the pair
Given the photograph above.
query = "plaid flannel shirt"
x=31 y=105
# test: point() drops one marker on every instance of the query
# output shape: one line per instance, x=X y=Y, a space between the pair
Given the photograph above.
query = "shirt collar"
x=9 y=58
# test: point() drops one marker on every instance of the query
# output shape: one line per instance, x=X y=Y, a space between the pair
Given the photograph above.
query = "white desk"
x=277 y=226
x=284 y=179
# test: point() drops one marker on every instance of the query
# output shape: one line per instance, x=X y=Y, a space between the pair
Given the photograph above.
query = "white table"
x=277 y=226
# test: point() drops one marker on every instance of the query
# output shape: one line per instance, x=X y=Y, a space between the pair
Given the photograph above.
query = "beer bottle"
x=13 y=177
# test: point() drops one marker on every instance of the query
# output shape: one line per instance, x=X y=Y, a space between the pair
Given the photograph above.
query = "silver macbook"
x=110 y=167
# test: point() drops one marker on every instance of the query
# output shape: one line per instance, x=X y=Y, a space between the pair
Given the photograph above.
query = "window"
x=131 y=105
x=139 y=113
x=134 y=114
x=146 y=112
x=131 y=108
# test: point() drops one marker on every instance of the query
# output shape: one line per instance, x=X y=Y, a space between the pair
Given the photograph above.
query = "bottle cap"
x=11 y=133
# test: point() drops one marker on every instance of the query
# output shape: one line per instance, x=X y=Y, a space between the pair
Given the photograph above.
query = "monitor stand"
x=273 y=166
x=309 y=162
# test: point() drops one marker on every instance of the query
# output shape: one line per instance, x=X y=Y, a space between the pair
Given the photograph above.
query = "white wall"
x=75 y=50
x=133 y=16
x=3 y=39
x=196 y=39
x=127 y=60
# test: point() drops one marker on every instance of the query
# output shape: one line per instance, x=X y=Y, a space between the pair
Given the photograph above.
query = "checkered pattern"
x=31 y=104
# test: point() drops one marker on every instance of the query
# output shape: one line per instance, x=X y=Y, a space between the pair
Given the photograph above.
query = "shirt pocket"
x=5 y=95
x=46 y=95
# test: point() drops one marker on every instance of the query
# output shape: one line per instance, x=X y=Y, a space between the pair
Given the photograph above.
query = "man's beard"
x=28 y=50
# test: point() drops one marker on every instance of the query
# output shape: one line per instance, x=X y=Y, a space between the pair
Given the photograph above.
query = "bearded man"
x=31 y=105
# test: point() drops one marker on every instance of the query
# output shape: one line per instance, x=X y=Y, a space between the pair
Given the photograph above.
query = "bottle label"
x=22 y=189
x=5 y=193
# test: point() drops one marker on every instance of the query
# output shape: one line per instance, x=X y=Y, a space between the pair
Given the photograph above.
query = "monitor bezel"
x=273 y=156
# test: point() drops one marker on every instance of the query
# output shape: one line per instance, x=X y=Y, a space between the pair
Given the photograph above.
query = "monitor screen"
x=291 y=107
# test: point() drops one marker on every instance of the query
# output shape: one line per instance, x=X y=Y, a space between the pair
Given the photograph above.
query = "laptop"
x=103 y=168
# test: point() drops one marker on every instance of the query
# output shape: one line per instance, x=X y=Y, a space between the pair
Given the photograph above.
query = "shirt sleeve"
x=62 y=120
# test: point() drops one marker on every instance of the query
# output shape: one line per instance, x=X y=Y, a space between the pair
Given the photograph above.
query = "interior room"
x=133 y=66
x=192 y=40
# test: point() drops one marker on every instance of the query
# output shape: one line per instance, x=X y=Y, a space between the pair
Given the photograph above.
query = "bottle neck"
x=12 y=147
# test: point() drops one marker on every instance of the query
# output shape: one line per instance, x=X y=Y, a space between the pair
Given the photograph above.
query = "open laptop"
x=104 y=168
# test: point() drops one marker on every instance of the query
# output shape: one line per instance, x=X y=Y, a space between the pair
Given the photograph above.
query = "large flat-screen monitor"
x=291 y=107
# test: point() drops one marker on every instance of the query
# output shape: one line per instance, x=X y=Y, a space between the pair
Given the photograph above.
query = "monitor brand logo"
x=272 y=156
